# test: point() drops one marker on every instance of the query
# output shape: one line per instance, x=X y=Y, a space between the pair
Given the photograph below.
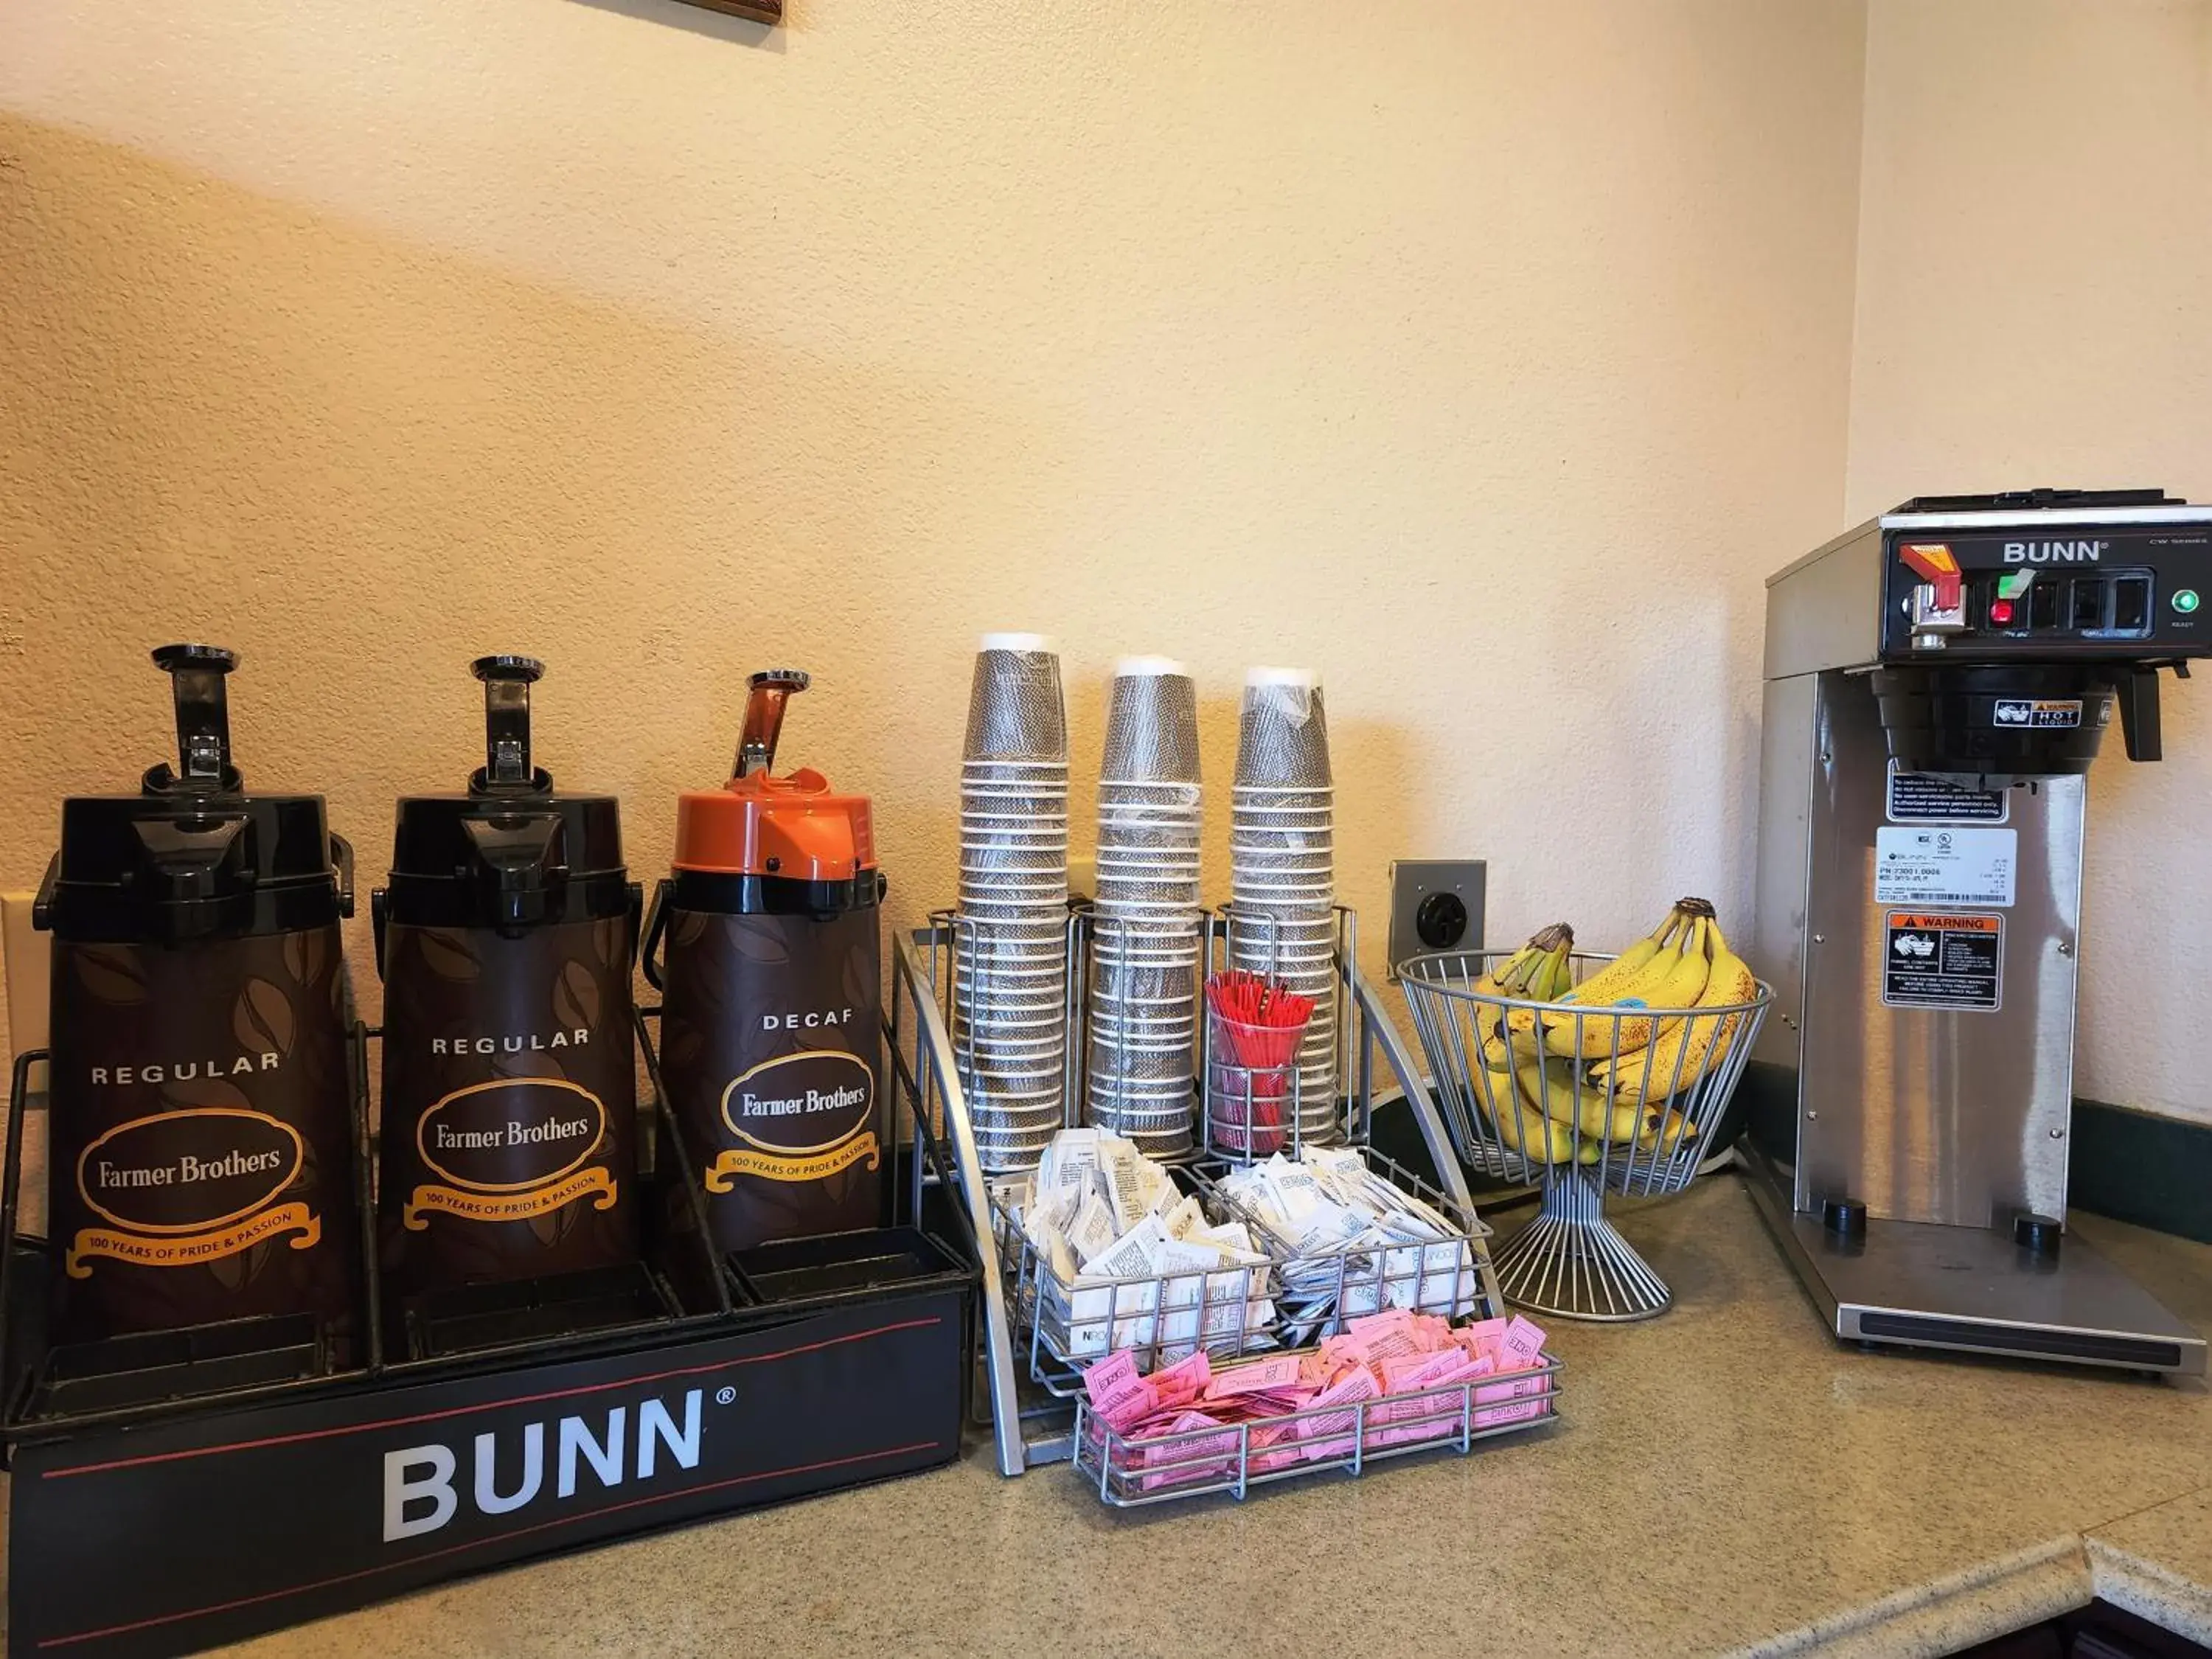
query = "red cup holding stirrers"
x=1256 y=1024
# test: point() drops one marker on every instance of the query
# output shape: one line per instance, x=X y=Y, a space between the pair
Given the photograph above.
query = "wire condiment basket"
x=1133 y=1471
x=1028 y=1354
x=1630 y=1116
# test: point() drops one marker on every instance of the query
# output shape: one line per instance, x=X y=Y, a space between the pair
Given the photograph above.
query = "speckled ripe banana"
x=1670 y=973
x=1686 y=1050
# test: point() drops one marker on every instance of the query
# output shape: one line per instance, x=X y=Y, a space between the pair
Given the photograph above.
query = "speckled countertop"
x=1727 y=1479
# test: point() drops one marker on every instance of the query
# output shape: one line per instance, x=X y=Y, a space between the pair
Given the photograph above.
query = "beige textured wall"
x=2035 y=307
x=1484 y=356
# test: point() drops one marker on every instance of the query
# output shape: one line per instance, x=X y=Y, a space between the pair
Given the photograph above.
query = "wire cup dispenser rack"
x=1581 y=1131
x=1037 y=1332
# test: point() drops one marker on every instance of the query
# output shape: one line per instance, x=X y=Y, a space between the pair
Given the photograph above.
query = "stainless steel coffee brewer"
x=1938 y=682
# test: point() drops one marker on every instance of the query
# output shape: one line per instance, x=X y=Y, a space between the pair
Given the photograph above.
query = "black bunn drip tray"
x=473 y=1319
x=154 y=1367
x=798 y=1275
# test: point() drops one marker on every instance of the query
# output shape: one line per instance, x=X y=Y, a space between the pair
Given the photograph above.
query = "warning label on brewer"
x=1941 y=960
x=1945 y=866
x=1931 y=797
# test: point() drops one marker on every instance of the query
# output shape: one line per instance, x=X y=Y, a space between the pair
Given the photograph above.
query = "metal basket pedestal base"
x=1571 y=1261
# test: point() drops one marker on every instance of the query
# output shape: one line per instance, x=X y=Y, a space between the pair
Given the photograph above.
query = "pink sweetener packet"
x=1274 y=1448
x=1183 y=1381
x=1385 y=1335
x=1444 y=1427
x=1375 y=1324
x=1486 y=1338
x=1433 y=1330
x=1259 y=1376
x=1433 y=1371
x=1530 y=1393
x=1188 y=1453
x=1522 y=1341
x=1331 y=1433
x=1124 y=1411
x=1431 y=1414
x=1111 y=1376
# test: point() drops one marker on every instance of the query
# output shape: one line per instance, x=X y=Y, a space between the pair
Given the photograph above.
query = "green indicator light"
x=2185 y=599
x=2014 y=583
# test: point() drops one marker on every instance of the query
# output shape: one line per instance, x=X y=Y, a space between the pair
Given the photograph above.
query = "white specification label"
x=1933 y=865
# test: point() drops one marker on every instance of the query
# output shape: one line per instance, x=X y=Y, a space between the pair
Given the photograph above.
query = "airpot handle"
x=768 y=692
x=506 y=768
x=196 y=675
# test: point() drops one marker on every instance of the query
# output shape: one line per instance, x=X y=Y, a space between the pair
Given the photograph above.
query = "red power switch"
x=1932 y=562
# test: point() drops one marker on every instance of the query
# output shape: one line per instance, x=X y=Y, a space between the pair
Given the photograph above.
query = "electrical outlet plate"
x=1414 y=882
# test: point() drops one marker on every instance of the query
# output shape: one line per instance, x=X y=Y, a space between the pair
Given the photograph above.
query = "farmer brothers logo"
x=509 y=1150
x=182 y=1188
x=799 y=1117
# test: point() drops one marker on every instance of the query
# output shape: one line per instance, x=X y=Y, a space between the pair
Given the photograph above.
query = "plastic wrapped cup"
x=1016 y=711
x=1151 y=723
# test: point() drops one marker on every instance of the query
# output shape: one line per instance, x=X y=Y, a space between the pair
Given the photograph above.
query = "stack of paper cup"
x=1282 y=870
x=1010 y=989
x=1145 y=925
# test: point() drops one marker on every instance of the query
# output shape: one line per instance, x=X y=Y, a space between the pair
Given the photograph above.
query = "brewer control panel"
x=2026 y=588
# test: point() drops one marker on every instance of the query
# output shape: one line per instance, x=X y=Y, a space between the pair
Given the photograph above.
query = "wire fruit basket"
x=1584 y=1099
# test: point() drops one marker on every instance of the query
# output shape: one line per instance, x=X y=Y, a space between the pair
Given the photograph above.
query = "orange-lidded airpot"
x=765 y=942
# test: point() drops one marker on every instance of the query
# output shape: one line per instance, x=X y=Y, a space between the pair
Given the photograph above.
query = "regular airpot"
x=202 y=1166
x=506 y=939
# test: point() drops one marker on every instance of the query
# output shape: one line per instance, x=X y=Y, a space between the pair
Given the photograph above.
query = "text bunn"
x=419 y=1495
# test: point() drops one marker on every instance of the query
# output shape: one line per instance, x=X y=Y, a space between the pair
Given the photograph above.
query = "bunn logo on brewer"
x=186 y=1071
x=423 y=1491
x=531 y=1042
x=812 y=1020
x=2054 y=552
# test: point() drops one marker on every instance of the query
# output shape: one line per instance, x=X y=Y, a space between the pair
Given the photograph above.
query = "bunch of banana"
x=1686 y=1049
x=1668 y=969
x=1539 y=971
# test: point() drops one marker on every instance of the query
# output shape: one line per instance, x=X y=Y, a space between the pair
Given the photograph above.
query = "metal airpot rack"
x=1031 y=1345
x=1618 y=1121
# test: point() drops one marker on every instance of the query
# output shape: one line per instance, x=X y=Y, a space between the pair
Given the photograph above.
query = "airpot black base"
x=176 y=1490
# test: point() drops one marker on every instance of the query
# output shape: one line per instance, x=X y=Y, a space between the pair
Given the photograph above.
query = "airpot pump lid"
x=793 y=826
x=192 y=854
x=454 y=856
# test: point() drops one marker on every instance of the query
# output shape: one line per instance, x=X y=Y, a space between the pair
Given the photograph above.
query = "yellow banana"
x=1673 y=1132
x=1503 y=980
x=1686 y=1050
x=1593 y=1113
x=1522 y=1127
x=1602 y=987
x=1550 y=975
x=1676 y=970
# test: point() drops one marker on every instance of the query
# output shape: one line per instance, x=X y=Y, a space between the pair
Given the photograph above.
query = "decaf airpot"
x=771 y=1046
x=202 y=1166
x=506 y=939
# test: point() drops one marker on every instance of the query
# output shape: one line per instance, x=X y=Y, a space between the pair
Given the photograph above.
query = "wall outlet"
x=1436 y=904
